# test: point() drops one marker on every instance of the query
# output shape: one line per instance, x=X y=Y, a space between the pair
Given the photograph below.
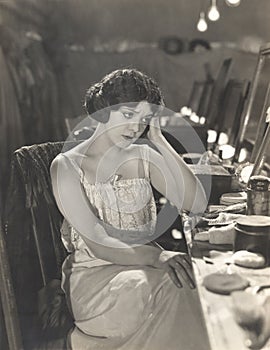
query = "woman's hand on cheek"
x=154 y=133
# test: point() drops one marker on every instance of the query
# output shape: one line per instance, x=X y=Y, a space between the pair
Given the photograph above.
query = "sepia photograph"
x=135 y=174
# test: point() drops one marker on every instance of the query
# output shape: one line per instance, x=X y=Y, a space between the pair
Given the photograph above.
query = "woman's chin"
x=125 y=142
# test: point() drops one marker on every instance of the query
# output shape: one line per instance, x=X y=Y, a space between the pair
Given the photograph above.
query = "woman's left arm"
x=171 y=176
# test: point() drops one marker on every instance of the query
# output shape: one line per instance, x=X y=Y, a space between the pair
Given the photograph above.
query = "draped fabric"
x=11 y=132
x=29 y=110
x=35 y=85
x=29 y=191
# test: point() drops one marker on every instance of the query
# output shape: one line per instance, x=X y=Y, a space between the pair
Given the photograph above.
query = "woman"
x=124 y=294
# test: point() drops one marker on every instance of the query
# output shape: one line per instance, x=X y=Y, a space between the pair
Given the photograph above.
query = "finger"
x=185 y=259
x=180 y=270
x=185 y=268
x=151 y=127
x=174 y=277
x=185 y=273
x=154 y=122
x=187 y=276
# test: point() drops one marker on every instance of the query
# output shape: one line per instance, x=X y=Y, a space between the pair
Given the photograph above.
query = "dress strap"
x=74 y=165
x=145 y=160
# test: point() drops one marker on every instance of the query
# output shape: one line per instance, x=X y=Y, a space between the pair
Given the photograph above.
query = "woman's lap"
x=131 y=307
x=113 y=289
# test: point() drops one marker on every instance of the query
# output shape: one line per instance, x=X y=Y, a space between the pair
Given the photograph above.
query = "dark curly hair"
x=120 y=86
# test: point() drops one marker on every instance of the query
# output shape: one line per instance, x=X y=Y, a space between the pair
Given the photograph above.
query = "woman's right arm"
x=74 y=205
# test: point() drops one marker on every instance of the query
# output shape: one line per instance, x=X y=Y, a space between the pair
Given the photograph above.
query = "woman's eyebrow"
x=151 y=114
x=131 y=109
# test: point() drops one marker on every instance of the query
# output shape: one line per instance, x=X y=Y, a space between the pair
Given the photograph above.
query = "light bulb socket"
x=202 y=15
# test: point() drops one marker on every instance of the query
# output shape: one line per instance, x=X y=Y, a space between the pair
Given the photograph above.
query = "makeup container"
x=252 y=233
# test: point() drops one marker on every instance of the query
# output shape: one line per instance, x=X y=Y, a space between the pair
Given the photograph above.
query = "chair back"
x=33 y=221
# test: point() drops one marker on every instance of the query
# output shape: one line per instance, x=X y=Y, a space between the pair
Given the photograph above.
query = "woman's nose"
x=134 y=126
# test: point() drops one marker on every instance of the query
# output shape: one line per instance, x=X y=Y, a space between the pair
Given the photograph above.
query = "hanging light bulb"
x=233 y=3
x=202 y=24
x=213 y=13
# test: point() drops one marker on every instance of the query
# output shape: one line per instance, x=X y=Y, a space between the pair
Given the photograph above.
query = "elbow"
x=196 y=203
x=200 y=202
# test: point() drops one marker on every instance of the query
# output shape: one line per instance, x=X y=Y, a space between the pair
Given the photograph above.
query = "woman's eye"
x=128 y=115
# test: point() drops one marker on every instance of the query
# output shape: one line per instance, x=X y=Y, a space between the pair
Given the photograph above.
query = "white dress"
x=126 y=307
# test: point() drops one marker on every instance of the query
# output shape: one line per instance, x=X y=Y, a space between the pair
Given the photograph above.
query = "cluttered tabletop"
x=221 y=307
x=230 y=251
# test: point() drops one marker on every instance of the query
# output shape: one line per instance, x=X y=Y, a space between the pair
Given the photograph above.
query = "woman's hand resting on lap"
x=178 y=266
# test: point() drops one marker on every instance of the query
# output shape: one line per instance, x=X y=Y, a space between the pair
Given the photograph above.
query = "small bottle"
x=258 y=195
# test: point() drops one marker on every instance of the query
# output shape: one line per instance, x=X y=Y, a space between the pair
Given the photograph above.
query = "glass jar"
x=252 y=233
x=258 y=195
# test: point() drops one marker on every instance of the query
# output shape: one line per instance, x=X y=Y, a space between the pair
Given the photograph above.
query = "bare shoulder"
x=73 y=156
x=64 y=162
x=59 y=163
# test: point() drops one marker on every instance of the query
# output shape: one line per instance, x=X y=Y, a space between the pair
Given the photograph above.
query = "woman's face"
x=127 y=123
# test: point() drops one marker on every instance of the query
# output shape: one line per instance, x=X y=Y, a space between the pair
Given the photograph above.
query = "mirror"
x=261 y=149
x=253 y=120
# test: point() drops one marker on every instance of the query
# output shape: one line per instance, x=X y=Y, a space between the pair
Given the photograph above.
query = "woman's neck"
x=100 y=144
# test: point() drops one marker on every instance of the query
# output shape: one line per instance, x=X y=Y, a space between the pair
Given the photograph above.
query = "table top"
x=223 y=331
